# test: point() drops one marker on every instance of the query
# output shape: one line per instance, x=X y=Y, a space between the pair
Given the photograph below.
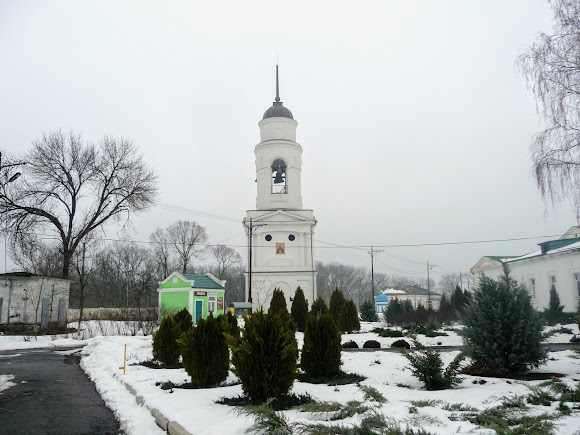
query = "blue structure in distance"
x=381 y=302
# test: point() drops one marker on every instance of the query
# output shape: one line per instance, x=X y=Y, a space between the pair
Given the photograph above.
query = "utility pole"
x=251 y=228
x=429 y=284
x=250 y=263
x=372 y=252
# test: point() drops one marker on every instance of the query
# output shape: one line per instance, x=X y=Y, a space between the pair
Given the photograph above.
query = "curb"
x=171 y=427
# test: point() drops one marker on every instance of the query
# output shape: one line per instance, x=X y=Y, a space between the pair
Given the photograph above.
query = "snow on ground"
x=388 y=372
x=104 y=357
x=15 y=342
x=197 y=411
x=5 y=382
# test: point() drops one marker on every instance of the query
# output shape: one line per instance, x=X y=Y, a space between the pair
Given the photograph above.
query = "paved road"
x=56 y=398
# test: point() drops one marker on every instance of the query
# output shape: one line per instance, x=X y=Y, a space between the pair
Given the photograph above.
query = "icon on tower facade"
x=280 y=232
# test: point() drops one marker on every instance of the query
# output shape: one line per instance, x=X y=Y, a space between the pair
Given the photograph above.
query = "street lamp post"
x=3 y=183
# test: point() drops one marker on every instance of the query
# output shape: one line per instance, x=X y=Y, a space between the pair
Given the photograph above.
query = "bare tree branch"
x=551 y=67
x=71 y=187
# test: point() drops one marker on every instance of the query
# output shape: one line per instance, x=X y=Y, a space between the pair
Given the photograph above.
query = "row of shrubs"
x=342 y=311
x=264 y=356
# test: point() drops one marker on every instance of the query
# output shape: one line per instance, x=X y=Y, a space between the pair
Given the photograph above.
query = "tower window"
x=291 y=237
x=279 y=176
x=268 y=237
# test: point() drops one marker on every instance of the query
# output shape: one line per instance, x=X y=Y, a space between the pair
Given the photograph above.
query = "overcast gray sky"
x=415 y=126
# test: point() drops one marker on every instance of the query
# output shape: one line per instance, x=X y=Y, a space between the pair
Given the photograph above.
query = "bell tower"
x=280 y=232
x=278 y=159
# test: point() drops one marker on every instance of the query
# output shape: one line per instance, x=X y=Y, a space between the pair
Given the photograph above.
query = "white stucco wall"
x=562 y=266
x=12 y=291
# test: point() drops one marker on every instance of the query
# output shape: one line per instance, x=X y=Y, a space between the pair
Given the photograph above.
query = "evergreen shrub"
x=299 y=310
x=502 y=328
x=278 y=303
x=165 y=348
x=427 y=366
x=230 y=324
x=382 y=332
x=183 y=320
x=265 y=356
x=371 y=344
x=319 y=307
x=401 y=344
x=321 y=350
x=205 y=352
x=368 y=313
x=336 y=304
x=348 y=319
x=350 y=345
x=553 y=314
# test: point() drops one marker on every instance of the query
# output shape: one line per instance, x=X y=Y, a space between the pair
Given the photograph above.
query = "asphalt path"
x=52 y=395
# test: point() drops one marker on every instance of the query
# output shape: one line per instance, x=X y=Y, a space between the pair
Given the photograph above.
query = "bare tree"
x=162 y=252
x=551 y=67
x=447 y=283
x=71 y=188
x=34 y=255
x=225 y=258
x=187 y=238
x=84 y=264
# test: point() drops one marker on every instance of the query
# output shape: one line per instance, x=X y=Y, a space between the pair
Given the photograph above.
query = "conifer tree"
x=368 y=312
x=321 y=350
x=205 y=353
x=394 y=306
x=299 y=310
x=230 y=324
x=165 y=348
x=336 y=304
x=553 y=313
x=265 y=356
x=407 y=306
x=319 y=307
x=458 y=299
x=348 y=319
x=278 y=303
x=183 y=320
x=444 y=304
x=421 y=309
x=446 y=311
x=502 y=328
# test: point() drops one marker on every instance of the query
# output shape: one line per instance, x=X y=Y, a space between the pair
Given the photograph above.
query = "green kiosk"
x=200 y=294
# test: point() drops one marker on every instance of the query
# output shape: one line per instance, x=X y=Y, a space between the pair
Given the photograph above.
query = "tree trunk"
x=66 y=261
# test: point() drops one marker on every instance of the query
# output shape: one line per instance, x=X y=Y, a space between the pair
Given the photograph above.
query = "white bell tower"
x=279 y=231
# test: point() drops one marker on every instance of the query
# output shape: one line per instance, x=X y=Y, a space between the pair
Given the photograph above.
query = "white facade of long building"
x=557 y=264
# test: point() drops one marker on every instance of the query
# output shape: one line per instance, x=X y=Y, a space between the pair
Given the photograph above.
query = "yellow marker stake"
x=124 y=361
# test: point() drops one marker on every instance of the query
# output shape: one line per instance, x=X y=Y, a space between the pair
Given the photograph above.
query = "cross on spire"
x=277 y=87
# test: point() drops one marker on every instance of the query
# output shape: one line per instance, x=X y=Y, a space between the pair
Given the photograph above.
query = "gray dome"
x=278 y=111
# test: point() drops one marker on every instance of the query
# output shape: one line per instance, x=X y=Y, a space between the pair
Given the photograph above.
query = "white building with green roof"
x=200 y=294
x=556 y=264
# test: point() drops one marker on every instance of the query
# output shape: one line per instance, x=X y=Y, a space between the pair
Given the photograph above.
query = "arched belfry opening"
x=279 y=176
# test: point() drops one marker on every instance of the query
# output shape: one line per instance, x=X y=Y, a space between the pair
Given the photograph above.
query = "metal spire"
x=277 y=87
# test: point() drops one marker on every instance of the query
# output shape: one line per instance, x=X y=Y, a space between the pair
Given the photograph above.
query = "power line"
x=338 y=246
